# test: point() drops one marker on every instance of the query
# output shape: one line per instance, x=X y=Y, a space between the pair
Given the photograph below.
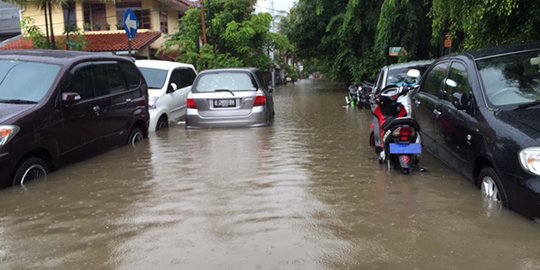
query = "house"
x=102 y=24
x=9 y=21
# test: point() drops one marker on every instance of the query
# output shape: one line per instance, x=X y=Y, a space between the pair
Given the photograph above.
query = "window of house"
x=143 y=15
x=95 y=17
x=163 y=22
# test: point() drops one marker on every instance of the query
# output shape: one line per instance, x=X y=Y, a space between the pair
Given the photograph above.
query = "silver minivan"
x=231 y=97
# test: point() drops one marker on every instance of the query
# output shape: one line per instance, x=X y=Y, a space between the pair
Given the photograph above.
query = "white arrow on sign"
x=131 y=24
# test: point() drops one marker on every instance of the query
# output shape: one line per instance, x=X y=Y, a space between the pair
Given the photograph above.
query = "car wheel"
x=135 y=136
x=162 y=123
x=491 y=186
x=31 y=169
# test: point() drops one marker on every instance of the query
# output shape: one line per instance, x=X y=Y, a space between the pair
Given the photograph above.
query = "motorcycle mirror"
x=450 y=83
x=413 y=73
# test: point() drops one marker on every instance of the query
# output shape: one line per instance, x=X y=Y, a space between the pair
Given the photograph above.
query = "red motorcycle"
x=394 y=134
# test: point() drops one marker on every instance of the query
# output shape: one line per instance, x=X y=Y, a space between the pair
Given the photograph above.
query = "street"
x=305 y=193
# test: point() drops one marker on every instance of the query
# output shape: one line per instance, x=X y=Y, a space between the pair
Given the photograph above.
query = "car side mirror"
x=69 y=98
x=271 y=89
x=172 y=87
x=460 y=100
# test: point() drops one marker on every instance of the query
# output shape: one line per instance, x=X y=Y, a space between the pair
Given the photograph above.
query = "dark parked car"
x=396 y=74
x=59 y=106
x=478 y=113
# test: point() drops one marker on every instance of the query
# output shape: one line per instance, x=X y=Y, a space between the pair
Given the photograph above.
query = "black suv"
x=59 y=106
x=478 y=113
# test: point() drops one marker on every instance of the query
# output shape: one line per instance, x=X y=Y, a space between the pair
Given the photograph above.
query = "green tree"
x=236 y=36
x=478 y=24
x=403 y=23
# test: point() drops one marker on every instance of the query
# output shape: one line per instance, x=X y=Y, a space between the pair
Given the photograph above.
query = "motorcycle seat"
x=392 y=121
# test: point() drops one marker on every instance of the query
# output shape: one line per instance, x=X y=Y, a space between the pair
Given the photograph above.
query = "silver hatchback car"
x=231 y=97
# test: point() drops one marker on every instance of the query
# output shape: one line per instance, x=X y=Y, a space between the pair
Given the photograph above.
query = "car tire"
x=135 y=136
x=162 y=123
x=491 y=187
x=31 y=169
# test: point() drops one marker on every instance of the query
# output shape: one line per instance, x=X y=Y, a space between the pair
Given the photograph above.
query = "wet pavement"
x=305 y=193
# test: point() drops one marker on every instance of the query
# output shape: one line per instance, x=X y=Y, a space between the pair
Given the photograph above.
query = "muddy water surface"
x=305 y=193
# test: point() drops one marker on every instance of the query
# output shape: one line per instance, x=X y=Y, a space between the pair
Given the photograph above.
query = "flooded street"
x=305 y=193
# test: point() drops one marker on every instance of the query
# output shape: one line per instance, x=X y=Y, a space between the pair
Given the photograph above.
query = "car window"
x=81 y=83
x=379 y=81
x=155 y=78
x=28 y=81
x=511 y=79
x=458 y=81
x=261 y=79
x=233 y=81
x=108 y=79
x=187 y=76
x=131 y=75
x=434 y=79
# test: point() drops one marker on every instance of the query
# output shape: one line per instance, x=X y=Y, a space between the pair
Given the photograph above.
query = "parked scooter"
x=394 y=134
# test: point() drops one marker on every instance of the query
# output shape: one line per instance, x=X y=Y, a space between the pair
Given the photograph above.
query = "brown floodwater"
x=305 y=193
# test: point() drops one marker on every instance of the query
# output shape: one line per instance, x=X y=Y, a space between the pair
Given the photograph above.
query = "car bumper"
x=6 y=166
x=154 y=116
x=524 y=194
x=258 y=117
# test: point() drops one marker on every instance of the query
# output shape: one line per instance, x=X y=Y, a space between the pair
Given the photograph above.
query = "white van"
x=169 y=84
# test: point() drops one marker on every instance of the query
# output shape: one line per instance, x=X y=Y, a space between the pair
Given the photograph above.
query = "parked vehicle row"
x=58 y=107
x=476 y=112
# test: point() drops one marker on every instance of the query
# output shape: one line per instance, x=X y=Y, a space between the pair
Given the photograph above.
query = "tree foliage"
x=350 y=39
x=236 y=36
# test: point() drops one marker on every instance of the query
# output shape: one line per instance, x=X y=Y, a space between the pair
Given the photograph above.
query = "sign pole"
x=129 y=47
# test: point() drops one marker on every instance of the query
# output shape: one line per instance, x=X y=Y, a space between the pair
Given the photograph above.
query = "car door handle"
x=417 y=102
x=128 y=100
x=96 y=108
x=437 y=113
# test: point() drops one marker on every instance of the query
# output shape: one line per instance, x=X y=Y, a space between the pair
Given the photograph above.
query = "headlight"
x=530 y=159
x=7 y=133
x=152 y=102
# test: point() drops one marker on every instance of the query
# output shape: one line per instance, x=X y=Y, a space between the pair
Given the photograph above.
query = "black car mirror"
x=460 y=100
x=69 y=98
x=271 y=89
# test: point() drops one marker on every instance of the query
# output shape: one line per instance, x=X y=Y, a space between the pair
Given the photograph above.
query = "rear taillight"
x=260 y=99
x=405 y=133
x=191 y=103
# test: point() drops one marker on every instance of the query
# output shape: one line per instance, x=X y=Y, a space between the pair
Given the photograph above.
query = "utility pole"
x=203 y=21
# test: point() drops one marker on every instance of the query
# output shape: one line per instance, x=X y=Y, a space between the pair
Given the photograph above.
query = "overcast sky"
x=284 y=5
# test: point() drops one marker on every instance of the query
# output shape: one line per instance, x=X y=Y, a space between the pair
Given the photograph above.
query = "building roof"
x=97 y=42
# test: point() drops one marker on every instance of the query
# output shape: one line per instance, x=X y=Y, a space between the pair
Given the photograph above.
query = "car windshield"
x=25 y=81
x=511 y=79
x=155 y=78
x=232 y=81
x=399 y=75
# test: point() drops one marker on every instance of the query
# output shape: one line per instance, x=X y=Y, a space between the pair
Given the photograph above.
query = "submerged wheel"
x=491 y=186
x=31 y=169
x=135 y=136
x=162 y=123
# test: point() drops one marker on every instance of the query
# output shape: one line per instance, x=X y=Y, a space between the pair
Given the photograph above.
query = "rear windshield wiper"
x=224 y=90
x=17 y=101
x=527 y=105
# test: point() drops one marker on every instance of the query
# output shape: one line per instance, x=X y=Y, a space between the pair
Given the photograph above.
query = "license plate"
x=224 y=103
x=405 y=148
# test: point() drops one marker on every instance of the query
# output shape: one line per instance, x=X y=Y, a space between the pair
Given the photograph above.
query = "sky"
x=284 y=5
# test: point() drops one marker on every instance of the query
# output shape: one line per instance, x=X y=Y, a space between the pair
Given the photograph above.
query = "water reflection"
x=305 y=193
